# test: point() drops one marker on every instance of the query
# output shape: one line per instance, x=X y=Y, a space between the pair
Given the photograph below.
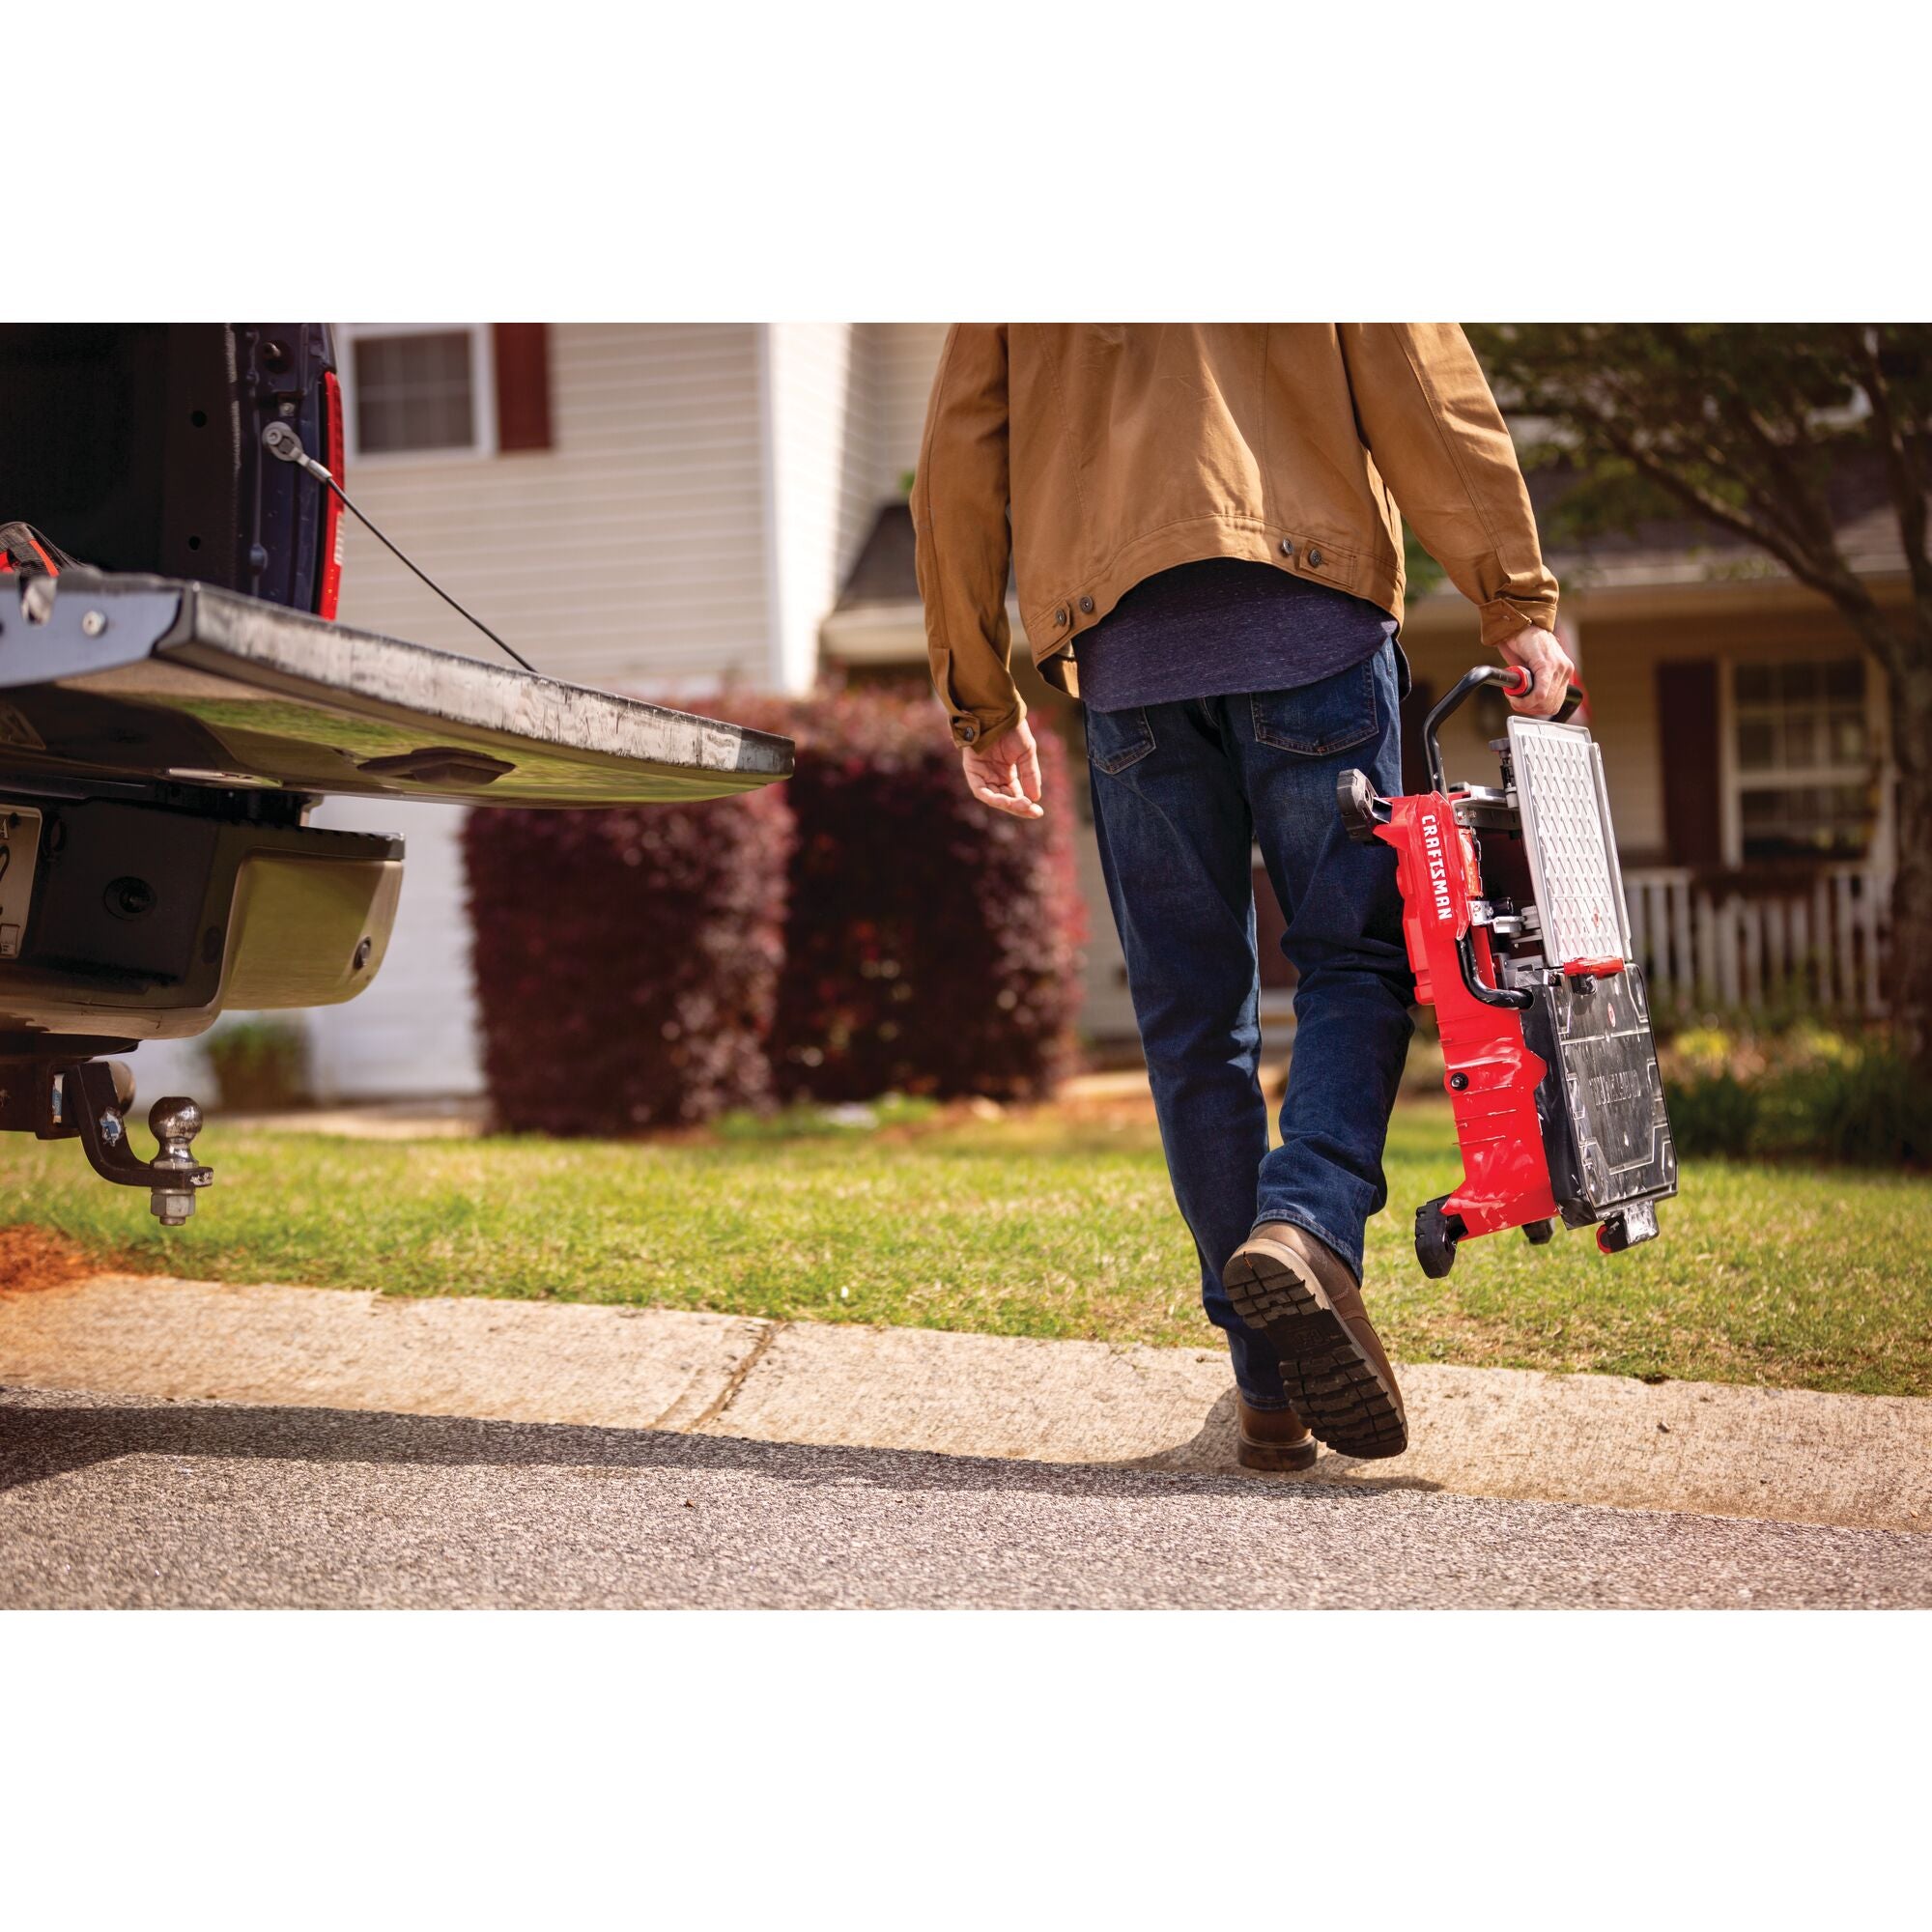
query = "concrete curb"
x=1778 y=1455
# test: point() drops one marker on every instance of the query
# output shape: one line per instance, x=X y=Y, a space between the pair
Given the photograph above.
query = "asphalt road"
x=112 y=1501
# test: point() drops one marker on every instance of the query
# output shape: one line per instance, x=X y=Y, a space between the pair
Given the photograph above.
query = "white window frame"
x=1735 y=783
x=482 y=388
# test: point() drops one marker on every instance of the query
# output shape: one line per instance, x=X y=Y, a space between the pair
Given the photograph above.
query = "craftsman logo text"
x=1438 y=867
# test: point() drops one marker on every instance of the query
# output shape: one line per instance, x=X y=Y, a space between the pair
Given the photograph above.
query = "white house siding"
x=824 y=434
x=847 y=404
x=632 y=554
x=907 y=357
x=414 y=1031
x=1618 y=665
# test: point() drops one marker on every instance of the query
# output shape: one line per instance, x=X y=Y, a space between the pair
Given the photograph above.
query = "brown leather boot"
x=1273 y=1439
x=1298 y=1292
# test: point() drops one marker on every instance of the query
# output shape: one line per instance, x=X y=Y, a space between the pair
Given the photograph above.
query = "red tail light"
x=334 y=459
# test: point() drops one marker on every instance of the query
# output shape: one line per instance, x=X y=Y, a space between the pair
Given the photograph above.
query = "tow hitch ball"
x=91 y=1098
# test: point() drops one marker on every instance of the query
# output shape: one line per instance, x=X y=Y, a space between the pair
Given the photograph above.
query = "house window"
x=417 y=391
x=1801 y=765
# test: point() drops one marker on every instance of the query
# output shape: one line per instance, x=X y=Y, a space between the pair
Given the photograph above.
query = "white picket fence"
x=1747 y=945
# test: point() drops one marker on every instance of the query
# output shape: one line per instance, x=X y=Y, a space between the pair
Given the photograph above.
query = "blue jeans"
x=1181 y=794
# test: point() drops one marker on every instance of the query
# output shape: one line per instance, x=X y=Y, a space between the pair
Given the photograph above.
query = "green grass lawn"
x=1032 y=1225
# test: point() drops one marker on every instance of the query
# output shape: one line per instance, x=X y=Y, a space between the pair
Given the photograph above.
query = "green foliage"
x=1421 y=572
x=261 y=1064
x=1717 y=1114
x=1872 y=1109
x=1804 y=1093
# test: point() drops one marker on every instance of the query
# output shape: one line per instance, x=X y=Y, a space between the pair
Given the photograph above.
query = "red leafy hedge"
x=627 y=961
x=864 y=929
x=933 y=946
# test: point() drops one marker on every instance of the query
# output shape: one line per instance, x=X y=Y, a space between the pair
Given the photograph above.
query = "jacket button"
x=968 y=732
x=1288 y=546
x=1060 y=617
x=1314 y=559
x=1086 y=605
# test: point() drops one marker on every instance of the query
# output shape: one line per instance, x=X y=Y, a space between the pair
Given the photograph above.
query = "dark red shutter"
x=1687 y=733
x=523 y=385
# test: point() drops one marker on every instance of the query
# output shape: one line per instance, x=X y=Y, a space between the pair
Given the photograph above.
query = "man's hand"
x=1004 y=772
x=1549 y=664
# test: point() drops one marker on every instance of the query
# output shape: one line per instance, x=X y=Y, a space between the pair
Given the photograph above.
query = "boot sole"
x=1331 y=1381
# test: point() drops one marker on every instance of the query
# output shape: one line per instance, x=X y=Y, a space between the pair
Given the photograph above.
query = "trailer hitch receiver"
x=89 y=1099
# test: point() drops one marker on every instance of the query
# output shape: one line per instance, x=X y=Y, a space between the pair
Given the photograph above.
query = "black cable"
x=283 y=443
x=347 y=505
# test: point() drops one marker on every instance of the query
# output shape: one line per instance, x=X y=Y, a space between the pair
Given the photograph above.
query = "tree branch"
x=1803 y=523
x=1830 y=578
x=1801 y=512
x=1908 y=492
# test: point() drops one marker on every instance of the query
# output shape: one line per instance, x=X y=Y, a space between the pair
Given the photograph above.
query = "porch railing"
x=1817 y=944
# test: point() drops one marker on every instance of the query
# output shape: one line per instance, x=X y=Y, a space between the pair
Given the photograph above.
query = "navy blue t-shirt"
x=1220 y=626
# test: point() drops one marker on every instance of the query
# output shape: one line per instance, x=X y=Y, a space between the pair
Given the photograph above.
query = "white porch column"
x=819 y=409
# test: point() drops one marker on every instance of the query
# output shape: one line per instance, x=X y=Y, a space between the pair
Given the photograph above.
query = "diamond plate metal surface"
x=1566 y=827
x=1602 y=1105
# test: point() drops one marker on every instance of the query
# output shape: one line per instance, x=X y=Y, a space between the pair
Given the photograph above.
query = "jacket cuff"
x=1503 y=619
x=975 y=727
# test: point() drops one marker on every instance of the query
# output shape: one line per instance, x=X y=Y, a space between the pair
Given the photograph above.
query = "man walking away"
x=1203 y=522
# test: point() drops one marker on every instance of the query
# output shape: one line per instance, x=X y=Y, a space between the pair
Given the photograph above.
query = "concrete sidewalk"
x=1785 y=1456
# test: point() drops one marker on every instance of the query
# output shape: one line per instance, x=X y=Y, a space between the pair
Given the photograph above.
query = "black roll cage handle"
x=1517 y=681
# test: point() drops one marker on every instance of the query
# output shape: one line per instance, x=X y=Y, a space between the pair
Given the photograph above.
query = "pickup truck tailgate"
x=158 y=679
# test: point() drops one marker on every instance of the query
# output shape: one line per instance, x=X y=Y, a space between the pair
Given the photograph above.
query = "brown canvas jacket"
x=1091 y=456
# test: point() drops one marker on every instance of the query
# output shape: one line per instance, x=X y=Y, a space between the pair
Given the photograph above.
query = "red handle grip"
x=1519 y=680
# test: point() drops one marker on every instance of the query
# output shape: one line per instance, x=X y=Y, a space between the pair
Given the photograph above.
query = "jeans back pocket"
x=1314 y=719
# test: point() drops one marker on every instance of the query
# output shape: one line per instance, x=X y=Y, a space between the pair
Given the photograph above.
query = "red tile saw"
x=1550 y=1065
